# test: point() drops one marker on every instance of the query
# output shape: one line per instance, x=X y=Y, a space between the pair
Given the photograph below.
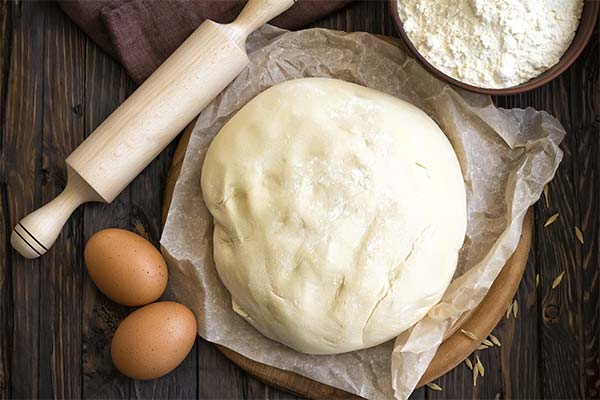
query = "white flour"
x=491 y=43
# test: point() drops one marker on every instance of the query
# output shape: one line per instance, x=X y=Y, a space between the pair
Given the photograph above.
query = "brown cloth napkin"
x=141 y=34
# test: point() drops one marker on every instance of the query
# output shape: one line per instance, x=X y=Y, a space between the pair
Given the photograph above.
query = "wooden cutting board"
x=453 y=350
x=456 y=346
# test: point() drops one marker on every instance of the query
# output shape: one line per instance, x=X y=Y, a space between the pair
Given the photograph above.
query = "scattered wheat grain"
x=469 y=334
x=551 y=220
x=495 y=340
x=479 y=365
x=558 y=280
x=469 y=363
x=434 y=386
x=579 y=234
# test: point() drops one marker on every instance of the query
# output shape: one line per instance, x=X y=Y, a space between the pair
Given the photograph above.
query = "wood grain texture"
x=47 y=67
x=22 y=182
x=61 y=278
x=218 y=378
x=558 y=253
x=587 y=181
x=6 y=304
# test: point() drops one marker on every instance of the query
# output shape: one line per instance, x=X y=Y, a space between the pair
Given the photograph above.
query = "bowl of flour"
x=496 y=47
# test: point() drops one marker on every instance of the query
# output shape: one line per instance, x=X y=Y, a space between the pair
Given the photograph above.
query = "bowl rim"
x=534 y=83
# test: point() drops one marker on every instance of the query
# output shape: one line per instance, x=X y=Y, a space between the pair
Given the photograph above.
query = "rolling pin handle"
x=255 y=14
x=35 y=233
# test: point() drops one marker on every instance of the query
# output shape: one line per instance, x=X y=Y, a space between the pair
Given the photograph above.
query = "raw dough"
x=339 y=213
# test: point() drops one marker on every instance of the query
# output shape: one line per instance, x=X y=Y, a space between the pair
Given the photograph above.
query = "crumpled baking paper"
x=506 y=156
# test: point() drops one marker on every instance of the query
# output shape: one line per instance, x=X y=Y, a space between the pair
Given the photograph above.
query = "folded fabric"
x=141 y=34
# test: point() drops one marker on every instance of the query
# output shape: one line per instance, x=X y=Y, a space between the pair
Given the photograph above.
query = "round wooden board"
x=455 y=348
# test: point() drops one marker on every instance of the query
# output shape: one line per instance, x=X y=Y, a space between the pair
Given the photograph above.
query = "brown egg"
x=127 y=268
x=153 y=340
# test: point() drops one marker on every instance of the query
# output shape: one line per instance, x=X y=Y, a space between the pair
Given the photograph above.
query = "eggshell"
x=153 y=340
x=127 y=268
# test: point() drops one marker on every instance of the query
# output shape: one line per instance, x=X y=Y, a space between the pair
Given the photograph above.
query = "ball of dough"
x=339 y=213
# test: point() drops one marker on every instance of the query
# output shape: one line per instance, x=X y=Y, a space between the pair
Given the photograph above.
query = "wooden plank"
x=218 y=378
x=420 y=393
x=364 y=15
x=179 y=384
x=6 y=305
x=61 y=272
x=586 y=129
x=561 y=308
x=254 y=389
x=276 y=394
x=21 y=163
x=106 y=88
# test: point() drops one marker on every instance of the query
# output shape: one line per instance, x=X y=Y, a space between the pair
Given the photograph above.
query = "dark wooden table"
x=55 y=327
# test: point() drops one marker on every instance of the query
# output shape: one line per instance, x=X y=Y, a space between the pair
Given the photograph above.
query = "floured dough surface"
x=339 y=213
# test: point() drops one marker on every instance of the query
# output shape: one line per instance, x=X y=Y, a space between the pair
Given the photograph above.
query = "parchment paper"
x=506 y=156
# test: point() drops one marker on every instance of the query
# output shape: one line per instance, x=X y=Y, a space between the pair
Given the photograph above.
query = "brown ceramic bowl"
x=582 y=36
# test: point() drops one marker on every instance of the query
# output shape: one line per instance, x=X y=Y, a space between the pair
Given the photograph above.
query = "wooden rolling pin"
x=136 y=132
